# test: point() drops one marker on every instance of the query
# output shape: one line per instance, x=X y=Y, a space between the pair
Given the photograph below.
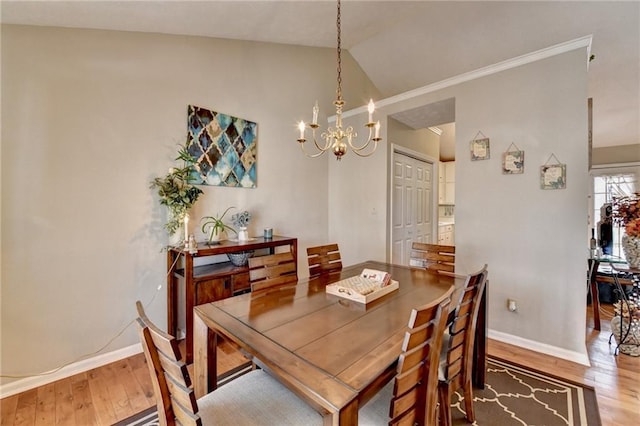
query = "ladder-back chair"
x=414 y=390
x=433 y=256
x=324 y=260
x=255 y=398
x=456 y=360
x=272 y=271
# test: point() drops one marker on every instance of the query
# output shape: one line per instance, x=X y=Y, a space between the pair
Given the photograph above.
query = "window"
x=609 y=183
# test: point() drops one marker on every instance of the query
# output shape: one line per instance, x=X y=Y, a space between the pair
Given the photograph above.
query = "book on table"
x=370 y=285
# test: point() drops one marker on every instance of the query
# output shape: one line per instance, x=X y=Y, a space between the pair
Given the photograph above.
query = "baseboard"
x=577 y=357
x=28 y=383
x=85 y=365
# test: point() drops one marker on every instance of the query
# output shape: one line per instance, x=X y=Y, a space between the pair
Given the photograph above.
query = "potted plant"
x=216 y=226
x=176 y=190
x=626 y=212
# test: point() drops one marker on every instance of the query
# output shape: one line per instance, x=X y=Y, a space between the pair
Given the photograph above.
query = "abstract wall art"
x=223 y=148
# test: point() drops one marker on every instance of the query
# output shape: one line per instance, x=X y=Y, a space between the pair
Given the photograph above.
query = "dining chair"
x=255 y=398
x=272 y=271
x=413 y=392
x=433 y=256
x=456 y=359
x=324 y=260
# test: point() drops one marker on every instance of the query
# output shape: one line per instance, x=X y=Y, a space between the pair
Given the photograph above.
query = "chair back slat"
x=407 y=381
x=182 y=395
x=415 y=385
x=176 y=370
x=184 y=417
x=324 y=259
x=175 y=396
x=432 y=256
x=272 y=271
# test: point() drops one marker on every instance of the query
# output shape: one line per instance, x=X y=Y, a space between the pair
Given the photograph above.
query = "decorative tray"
x=367 y=287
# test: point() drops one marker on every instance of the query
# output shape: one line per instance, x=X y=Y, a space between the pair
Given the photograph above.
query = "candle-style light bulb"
x=315 y=113
x=301 y=127
x=371 y=107
x=186 y=227
x=377 y=127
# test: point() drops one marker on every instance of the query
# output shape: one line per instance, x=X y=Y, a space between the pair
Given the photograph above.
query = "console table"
x=595 y=276
x=208 y=282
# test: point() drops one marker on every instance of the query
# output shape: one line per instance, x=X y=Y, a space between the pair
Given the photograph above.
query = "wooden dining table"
x=332 y=352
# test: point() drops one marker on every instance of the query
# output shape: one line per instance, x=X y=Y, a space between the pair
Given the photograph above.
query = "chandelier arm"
x=317 y=154
x=349 y=130
x=357 y=151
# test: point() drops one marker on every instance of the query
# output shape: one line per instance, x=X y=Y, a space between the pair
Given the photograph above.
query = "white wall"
x=423 y=141
x=88 y=119
x=533 y=240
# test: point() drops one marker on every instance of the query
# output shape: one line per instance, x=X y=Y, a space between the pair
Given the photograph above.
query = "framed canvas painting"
x=223 y=148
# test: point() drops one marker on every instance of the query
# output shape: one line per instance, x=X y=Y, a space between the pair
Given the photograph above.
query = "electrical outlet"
x=512 y=305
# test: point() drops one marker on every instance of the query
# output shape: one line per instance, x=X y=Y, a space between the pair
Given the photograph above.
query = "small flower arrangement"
x=626 y=212
x=241 y=220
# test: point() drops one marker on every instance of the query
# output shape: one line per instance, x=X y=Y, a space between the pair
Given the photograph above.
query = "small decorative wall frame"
x=553 y=176
x=480 y=147
x=512 y=160
x=223 y=148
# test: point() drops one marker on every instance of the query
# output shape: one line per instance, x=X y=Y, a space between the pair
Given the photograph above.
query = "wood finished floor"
x=108 y=394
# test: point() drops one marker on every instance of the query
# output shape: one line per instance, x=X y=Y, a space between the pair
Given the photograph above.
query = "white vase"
x=243 y=234
x=215 y=235
x=177 y=238
x=631 y=249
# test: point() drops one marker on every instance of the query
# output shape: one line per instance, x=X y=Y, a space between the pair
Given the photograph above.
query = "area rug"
x=517 y=395
x=513 y=395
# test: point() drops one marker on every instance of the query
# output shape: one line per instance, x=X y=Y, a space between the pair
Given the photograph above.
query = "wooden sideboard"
x=209 y=280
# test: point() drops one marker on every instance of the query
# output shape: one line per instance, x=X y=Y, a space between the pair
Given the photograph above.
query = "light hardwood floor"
x=116 y=391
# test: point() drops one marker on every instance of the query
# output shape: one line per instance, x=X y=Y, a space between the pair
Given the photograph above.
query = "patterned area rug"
x=513 y=395
x=516 y=395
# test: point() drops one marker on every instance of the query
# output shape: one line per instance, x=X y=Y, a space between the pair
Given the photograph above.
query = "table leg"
x=595 y=299
x=205 y=363
x=189 y=296
x=480 y=343
x=348 y=416
x=172 y=293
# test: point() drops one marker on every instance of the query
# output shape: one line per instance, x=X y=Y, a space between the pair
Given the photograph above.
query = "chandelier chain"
x=339 y=51
x=339 y=139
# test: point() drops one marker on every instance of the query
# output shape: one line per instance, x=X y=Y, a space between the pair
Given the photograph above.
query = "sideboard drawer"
x=211 y=290
x=241 y=283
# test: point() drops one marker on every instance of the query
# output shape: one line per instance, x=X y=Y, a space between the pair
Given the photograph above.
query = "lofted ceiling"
x=401 y=45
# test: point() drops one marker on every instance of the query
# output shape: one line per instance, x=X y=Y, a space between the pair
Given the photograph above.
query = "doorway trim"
x=399 y=149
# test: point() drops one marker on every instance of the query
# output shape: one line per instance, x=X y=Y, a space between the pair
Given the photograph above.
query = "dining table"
x=332 y=352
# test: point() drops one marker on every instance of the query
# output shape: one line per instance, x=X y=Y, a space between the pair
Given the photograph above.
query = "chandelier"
x=334 y=138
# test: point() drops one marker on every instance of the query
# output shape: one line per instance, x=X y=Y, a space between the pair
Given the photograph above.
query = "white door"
x=412 y=205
